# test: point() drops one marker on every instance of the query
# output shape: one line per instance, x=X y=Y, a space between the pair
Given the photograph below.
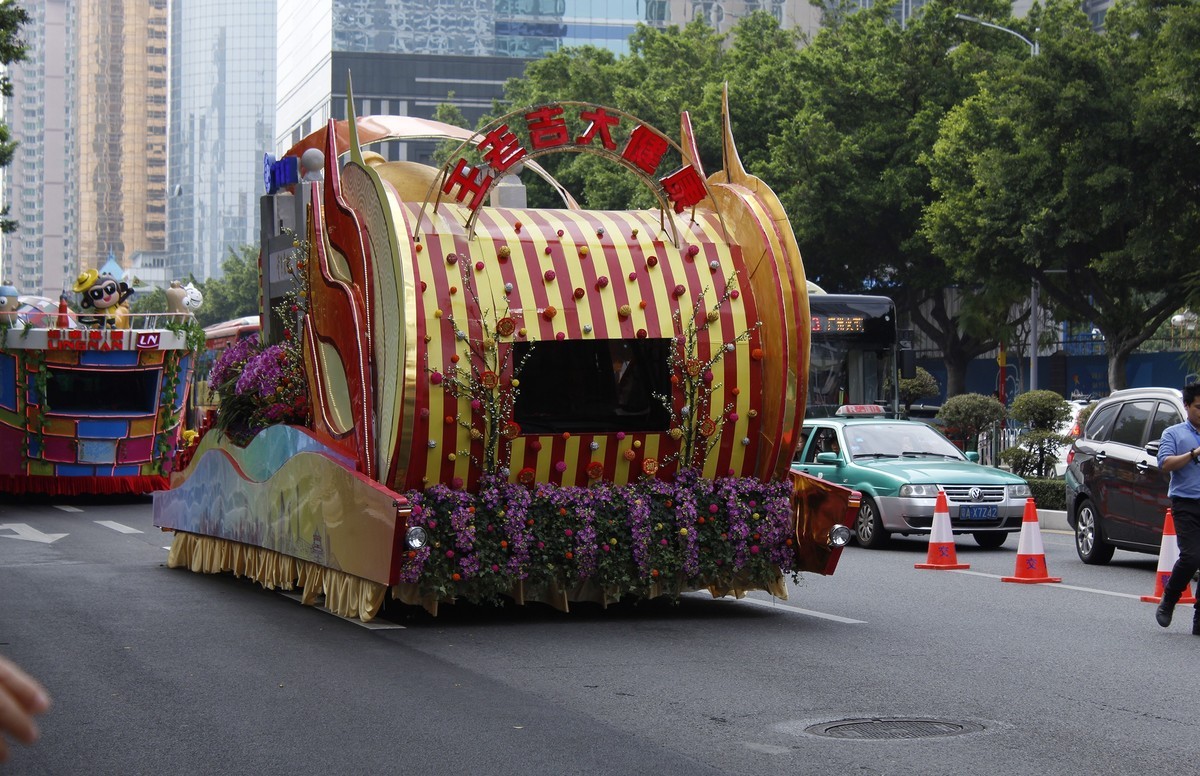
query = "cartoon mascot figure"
x=183 y=300
x=9 y=304
x=106 y=296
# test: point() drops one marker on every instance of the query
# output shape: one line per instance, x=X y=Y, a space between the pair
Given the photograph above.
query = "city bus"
x=217 y=337
x=855 y=352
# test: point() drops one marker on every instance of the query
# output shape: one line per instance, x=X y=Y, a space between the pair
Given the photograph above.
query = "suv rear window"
x=1164 y=416
x=1100 y=424
x=1130 y=427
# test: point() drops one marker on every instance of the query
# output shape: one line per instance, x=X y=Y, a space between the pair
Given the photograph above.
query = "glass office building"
x=222 y=122
x=406 y=56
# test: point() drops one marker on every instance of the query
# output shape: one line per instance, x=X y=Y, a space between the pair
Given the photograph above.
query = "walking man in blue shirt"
x=1179 y=454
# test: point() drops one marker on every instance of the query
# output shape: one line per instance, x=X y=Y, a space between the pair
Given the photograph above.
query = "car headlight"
x=1019 y=491
x=416 y=537
x=839 y=536
x=919 y=491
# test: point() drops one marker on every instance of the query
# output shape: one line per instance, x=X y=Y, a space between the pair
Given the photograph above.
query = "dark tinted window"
x=1165 y=415
x=1099 y=425
x=592 y=386
x=83 y=390
x=1130 y=426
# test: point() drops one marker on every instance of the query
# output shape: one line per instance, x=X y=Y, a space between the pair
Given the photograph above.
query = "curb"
x=1053 y=520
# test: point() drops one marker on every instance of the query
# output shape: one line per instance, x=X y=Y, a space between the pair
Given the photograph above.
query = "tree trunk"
x=1118 y=358
x=956 y=372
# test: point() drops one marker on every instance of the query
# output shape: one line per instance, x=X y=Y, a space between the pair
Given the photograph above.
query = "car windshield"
x=898 y=440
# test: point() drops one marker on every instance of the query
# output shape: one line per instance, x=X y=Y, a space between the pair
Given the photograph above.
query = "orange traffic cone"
x=941 y=540
x=1168 y=553
x=1031 y=556
x=64 y=321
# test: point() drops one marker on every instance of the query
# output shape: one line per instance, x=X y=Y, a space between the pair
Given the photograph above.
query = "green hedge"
x=1048 y=493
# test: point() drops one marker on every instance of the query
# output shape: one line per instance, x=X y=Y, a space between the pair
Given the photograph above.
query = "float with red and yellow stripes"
x=551 y=404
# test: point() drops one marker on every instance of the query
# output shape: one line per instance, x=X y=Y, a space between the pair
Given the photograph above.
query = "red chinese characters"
x=645 y=149
x=79 y=339
x=684 y=187
x=599 y=123
x=501 y=149
x=547 y=127
x=470 y=181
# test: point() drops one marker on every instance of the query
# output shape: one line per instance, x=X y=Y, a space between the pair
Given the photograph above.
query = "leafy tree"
x=1036 y=451
x=448 y=113
x=968 y=414
x=236 y=292
x=1077 y=167
x=12 y=49
x=921 y=386
x=154 y=301
x=870 y=97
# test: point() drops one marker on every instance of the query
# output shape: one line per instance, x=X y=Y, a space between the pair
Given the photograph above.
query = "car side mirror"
x=972 y=456
x=1152 y=448
x=829 y=459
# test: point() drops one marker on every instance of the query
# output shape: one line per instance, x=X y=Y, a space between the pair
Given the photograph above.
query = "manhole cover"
x=879 y=728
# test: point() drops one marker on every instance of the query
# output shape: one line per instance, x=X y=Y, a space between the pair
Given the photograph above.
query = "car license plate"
x=978 y=513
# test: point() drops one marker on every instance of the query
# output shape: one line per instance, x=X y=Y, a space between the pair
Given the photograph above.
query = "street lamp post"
x=1034 y=50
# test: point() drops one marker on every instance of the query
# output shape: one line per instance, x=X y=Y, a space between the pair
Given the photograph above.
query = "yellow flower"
x=613 y=542
x=683 y=532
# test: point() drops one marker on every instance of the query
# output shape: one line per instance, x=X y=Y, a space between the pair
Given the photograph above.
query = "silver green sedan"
x=899 y=466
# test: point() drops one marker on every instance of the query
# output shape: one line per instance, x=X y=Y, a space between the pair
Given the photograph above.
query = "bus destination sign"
x=838 y=324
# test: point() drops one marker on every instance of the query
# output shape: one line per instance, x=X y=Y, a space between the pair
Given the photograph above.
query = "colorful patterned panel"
x=142 y=427
x=103 y=429
x=111 y=358
x=8 y=382
x=97 y=450
x=59 y=449
x=12 y=446
x=136 y=449
x=59 y=426
x=302 y=510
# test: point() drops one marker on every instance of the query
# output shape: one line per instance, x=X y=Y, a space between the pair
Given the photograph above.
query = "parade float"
x=465 y=398
x=91 y=399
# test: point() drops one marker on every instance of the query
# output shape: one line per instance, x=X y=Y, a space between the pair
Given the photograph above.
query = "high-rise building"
x=222 y=123
x=89 y=111
x=407 y=56
x=119 y=145
x=38 y=258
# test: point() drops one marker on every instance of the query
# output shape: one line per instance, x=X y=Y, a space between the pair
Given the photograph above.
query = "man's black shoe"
x=1196 y=623
x=1164 y=611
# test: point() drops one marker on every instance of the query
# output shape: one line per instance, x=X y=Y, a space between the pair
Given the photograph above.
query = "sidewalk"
x=1053 y=520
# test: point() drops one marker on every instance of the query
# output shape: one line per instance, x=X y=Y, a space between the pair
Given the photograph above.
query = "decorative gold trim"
x=345 y=595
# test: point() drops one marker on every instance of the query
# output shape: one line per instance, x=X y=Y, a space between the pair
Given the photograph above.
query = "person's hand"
x=21 y=696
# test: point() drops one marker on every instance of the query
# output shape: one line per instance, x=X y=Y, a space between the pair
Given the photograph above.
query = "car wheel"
x=989 y=539
x=868 y=526
x=1090 y=545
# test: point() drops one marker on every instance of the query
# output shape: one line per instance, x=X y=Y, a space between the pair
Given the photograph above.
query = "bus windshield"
x=853 y=356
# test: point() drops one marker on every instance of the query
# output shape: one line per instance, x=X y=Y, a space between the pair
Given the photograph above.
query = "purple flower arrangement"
x=258 y=387
x=643 y=538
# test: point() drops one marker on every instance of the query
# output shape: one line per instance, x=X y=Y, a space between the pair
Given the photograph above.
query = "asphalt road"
x=161 y=671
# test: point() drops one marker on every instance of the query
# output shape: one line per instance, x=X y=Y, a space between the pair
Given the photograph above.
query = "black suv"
x=1116 y=494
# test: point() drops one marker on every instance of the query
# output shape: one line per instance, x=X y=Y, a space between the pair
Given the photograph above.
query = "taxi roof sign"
x=860 y=410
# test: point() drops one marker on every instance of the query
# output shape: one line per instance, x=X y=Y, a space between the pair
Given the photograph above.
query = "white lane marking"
x=117 y=526
x=29 y=533
x=66 y=508
x=777 y=605
x=1058 y=585
x=372 y=625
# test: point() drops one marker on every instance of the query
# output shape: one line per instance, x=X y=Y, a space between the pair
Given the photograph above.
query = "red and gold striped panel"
x=624 y=295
